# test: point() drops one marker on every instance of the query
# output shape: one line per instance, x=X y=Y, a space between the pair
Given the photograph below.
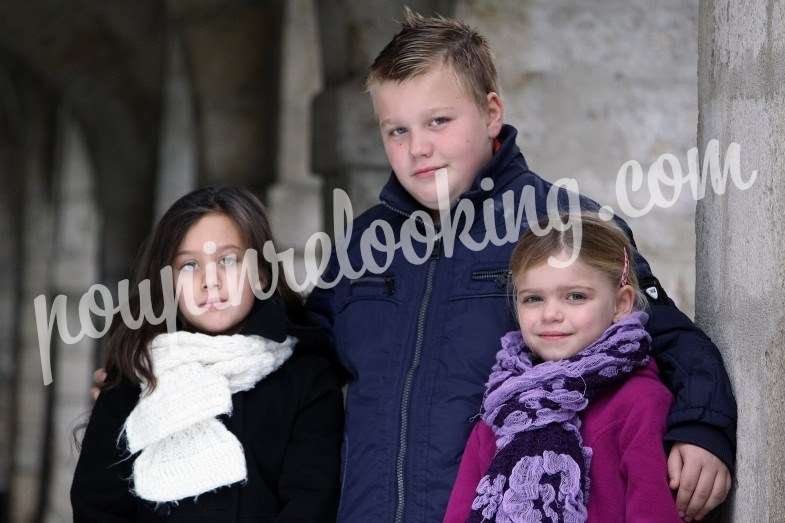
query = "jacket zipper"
x=397 y=210
x=407 y=387
x=501 y=277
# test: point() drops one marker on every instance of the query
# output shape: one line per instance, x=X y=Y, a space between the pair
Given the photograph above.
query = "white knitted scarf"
x=185 y=450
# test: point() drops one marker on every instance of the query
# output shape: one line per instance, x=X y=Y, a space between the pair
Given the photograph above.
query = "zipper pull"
x=389 y=285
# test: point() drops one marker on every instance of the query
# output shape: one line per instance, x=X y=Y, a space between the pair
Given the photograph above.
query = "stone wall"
x=741 y=241
x=593 y=84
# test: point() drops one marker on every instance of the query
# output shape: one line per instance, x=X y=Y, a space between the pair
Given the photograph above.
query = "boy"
x=419 y=339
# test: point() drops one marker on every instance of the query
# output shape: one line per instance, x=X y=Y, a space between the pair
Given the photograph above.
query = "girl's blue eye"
x=228 y=261
x=188 y=266
x=530 y=299
x=576 y=296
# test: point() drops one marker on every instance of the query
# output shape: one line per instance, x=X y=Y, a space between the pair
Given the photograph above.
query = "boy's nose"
x=420 y=145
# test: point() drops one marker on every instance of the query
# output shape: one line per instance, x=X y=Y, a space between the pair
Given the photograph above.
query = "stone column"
x=233 y=53
x=741 y=239
x=74 y=270
x=592 y=84
x=30 y=414
x=10 y=199
x=294 y=201
x=177 y=157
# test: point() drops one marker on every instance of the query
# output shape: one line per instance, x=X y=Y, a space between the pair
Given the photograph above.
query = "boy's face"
x=430 y=122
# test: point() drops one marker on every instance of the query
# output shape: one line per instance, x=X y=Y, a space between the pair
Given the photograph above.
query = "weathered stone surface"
x=741 y=242
x=593 y=84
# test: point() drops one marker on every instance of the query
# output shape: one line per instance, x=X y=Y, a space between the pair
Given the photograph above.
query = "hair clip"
x=624 y=278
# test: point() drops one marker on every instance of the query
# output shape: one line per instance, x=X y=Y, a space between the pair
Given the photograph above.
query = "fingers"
x=688 y=480
x=99 y=377
x=674 y=467
x=728 y=484
x=703 y=490
x=718 y=493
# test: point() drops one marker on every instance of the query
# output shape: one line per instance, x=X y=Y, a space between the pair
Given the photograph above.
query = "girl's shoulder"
x=124 y=394
x=113 y=406
x=315 y=349
x=642 y=388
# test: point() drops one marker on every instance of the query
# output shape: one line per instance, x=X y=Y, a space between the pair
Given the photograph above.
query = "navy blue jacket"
x=419 y=341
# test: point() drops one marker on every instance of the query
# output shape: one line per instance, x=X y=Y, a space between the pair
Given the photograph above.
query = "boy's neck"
x=496 y=145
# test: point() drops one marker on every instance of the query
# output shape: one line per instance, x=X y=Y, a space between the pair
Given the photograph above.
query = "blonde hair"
x=424 y=42
x=603 y=245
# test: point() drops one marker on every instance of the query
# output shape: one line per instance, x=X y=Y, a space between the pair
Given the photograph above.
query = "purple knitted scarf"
x=540 y=471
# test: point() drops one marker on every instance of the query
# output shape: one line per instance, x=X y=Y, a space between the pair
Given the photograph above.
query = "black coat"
x=289 y=424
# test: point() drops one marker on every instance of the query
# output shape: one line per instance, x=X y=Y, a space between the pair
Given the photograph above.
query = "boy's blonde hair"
x=602 y=247
x=424 y=42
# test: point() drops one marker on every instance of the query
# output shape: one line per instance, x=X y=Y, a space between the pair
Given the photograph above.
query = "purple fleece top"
x=629 y=476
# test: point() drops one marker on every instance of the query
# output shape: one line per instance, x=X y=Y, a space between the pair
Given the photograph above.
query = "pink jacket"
x=629 y=475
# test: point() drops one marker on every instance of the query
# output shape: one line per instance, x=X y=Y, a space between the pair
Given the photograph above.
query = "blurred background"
x=109 y=111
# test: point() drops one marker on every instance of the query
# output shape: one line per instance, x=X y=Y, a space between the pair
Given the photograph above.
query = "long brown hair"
x=128 y=355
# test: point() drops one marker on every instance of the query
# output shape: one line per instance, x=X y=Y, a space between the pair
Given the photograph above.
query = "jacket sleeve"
x=704 y=413
x=100 y=491
x=477 y=457
x=309 y=483
x=643 y=464
x=320 y=308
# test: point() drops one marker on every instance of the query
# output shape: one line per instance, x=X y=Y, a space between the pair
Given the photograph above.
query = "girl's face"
x=563 y=310
x=214 y=299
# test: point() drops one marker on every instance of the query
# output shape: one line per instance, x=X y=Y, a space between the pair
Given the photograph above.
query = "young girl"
x=233 y=417
x=573 y=416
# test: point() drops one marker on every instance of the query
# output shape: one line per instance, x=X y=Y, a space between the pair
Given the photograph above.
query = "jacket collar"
x=393 y=194
x=267 y=319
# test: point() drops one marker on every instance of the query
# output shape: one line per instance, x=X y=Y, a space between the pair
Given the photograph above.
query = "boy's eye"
x=439 y=120
x=398 y=131
x=228 y=261
x=576 y=296
x=188 y=266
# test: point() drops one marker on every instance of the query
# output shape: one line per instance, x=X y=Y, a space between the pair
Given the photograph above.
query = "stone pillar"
x=233 y=52
x=177 y=168
x=31 y=408
x=741 y=240
x=74 y=270
x=591 y=84
x=10 y=198
x=346 y=146
x=294 y=201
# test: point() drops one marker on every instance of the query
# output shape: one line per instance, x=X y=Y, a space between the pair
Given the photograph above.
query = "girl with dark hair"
x=235 y=416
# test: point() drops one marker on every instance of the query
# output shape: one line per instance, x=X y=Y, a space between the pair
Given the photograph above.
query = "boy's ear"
x=495 y=114
x=625 y=300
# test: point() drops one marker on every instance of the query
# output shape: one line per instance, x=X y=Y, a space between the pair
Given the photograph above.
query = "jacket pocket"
x=365 y=320
x=373 y=286
x=485 y=282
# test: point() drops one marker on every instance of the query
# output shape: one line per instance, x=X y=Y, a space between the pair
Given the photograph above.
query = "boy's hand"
x=99 y=377
x=702 y=479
